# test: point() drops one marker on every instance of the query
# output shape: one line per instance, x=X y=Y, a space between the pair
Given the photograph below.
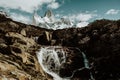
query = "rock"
x=45 y=38
x=3 y=17
x=74 y=61
x=17 y=52
x=100 y=41
x=23 y=32
x=16 y=49
x=85 y=40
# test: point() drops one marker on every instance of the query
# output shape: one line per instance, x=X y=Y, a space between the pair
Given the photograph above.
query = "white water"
x=86 y=63
x=51 y=59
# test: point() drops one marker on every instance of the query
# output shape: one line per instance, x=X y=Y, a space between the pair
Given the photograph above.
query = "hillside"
x=100 y=41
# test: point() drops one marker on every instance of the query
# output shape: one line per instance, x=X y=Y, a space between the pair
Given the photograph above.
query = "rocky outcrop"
x=18 y=51
x=100 y=41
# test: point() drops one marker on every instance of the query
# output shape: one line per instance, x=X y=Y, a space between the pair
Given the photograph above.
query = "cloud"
x=80 y=16
x=81 y=19
x=53 y=5
x=112 y=11
x=57 y=15
x=28 y=5
x=20 y=18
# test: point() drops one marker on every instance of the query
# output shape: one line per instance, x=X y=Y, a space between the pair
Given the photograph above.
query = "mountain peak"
x=48 y=13
x=50 y=21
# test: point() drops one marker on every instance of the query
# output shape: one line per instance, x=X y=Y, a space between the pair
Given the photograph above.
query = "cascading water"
x=86 y=63
x=51 y=59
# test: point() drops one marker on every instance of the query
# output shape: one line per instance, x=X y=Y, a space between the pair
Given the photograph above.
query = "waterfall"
x=51 y=58
x=86 y=64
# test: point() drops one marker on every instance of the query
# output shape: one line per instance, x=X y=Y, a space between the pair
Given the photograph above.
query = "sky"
x=77 y=10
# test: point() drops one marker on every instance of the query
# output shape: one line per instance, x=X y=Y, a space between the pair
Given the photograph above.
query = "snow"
x=82 y=24
x=50 y=22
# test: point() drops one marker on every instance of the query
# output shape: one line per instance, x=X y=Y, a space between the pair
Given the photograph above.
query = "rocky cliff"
x=18 y=51
x=100 y=41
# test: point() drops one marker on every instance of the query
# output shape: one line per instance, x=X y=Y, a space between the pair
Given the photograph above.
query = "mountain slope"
x=100 y=42
x=18 y=51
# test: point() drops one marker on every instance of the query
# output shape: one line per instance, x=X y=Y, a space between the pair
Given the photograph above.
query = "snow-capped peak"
x=48 y=14
x=50 y=22
x=37 y=19
x=49 y=17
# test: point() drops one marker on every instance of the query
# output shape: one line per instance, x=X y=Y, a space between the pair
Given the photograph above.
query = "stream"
x=51 y=58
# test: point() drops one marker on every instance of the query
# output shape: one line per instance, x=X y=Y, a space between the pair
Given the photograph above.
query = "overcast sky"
x=78 y=10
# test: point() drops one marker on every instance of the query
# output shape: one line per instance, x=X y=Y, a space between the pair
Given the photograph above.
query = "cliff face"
x=18 y=51
x=100 y=41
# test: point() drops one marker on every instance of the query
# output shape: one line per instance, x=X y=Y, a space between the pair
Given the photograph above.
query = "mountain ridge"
x=51 y=22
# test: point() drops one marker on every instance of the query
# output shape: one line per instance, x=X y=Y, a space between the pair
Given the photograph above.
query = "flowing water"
x=86 y=63
x=52 y=57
